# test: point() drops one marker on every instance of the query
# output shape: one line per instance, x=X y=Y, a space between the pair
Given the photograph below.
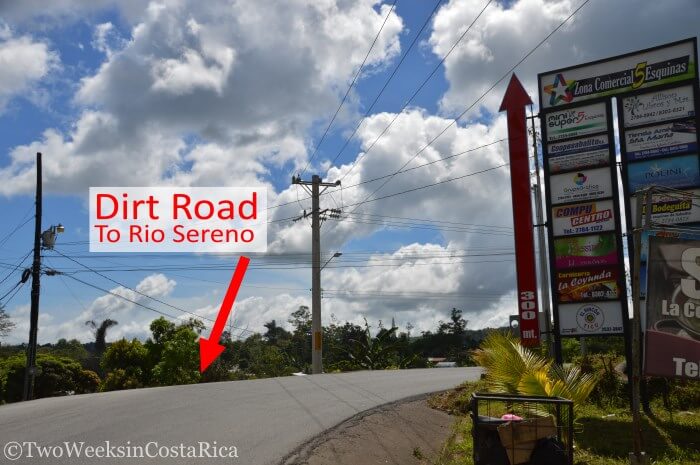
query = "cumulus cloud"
x=133 y=320
x=203 y=94
x=24 y=61
x=508 y=30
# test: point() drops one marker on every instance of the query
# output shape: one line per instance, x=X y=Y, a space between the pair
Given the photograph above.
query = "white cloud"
x=23 y=62
x=203 y=93
x=505 y=33
x=133 y=320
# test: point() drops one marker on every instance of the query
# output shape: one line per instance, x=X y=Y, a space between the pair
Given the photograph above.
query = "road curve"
x=264 y=419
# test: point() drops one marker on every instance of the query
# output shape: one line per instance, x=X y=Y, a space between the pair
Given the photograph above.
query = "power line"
x=16 y=267
x=455 y=120
x=417 y=91
x=464 y=152
x=354 y=79
x=16 y=228
x=386 y=83
x=136 y=290
x=7 y=302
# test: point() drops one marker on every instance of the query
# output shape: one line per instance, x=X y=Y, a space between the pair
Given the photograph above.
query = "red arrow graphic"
x=514 y=103
x=210 y=349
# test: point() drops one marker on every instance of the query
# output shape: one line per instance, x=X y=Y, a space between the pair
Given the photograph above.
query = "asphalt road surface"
x=264 y=420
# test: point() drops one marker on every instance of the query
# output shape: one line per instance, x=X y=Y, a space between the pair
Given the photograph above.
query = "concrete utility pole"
x=30 y=370
x=544 y=271
x=316 y=328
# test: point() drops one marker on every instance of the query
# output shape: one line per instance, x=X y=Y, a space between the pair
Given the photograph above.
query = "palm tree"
x=101 y=333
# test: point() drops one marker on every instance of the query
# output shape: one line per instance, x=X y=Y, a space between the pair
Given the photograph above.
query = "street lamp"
x=48 y=237
x=335 y=255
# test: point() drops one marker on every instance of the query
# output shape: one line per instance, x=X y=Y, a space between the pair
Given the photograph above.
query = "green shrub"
x=55 y=376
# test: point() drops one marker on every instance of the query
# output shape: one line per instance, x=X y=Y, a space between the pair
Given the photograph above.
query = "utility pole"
x=30 y=369
x=316 y=328
x=637 y=456
x=544 y=272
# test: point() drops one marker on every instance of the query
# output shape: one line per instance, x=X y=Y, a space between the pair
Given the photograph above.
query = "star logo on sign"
x=559 y=90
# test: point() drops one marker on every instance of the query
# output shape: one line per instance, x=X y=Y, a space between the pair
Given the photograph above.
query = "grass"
x=602 y=436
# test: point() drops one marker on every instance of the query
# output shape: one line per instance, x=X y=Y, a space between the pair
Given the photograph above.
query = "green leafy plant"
x=514 y=369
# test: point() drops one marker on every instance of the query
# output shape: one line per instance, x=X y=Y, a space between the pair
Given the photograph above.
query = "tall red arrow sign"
x=210 y=349
x=514 y=103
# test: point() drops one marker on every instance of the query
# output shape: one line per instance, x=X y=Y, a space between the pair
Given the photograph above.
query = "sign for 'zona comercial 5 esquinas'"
x=638 y=70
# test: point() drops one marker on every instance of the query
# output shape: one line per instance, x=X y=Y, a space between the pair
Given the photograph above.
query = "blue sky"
x=118 y=113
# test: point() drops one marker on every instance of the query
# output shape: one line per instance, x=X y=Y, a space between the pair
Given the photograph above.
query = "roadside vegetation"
x=170 y=355
x=671 y=426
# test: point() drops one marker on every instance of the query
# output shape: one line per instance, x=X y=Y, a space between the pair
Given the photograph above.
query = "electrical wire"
x=418 y=90
x=354 y=79
x=473 y=104
x=386 y=84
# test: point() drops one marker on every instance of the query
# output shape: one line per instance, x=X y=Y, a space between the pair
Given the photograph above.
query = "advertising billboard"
x=576 y=122
x=680 y=207
x=674 y=172
x=590 y=152
x=616 y=75
x=663 y=140
x=658 y=106
x=590 y=318
x=673 y=307
x=581 y=185
x=588 y=285
x=583 y=218
x=584 y=251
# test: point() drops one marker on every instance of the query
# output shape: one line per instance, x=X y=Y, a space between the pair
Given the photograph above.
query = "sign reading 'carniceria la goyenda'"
x=673 y=307
x=675 y=172
x=583 y=251
x=581 y=185
x=658 y=106
x=617 y=75
x=588 y=285
x=671 y=208
x=589 y=152
x=663 y=140
x=583 y=218
x=575 y=122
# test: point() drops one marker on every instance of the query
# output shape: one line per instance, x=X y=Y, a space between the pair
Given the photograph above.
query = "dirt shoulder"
x=406 y=433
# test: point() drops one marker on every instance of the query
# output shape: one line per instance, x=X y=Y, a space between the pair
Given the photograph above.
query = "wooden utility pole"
x=30 y=370
x=316 y=328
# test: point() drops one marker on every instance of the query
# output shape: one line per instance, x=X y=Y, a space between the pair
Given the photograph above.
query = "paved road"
x=264 y=419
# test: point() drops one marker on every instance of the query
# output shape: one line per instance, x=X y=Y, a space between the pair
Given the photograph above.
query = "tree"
x=55 y=376
x=72 y=349
x=6 y=324
x=174 y=351
x=126 y=364
x=457 y=324
x=101 y=333
x=299 y=348
x=275 y=333
x=374 y=353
